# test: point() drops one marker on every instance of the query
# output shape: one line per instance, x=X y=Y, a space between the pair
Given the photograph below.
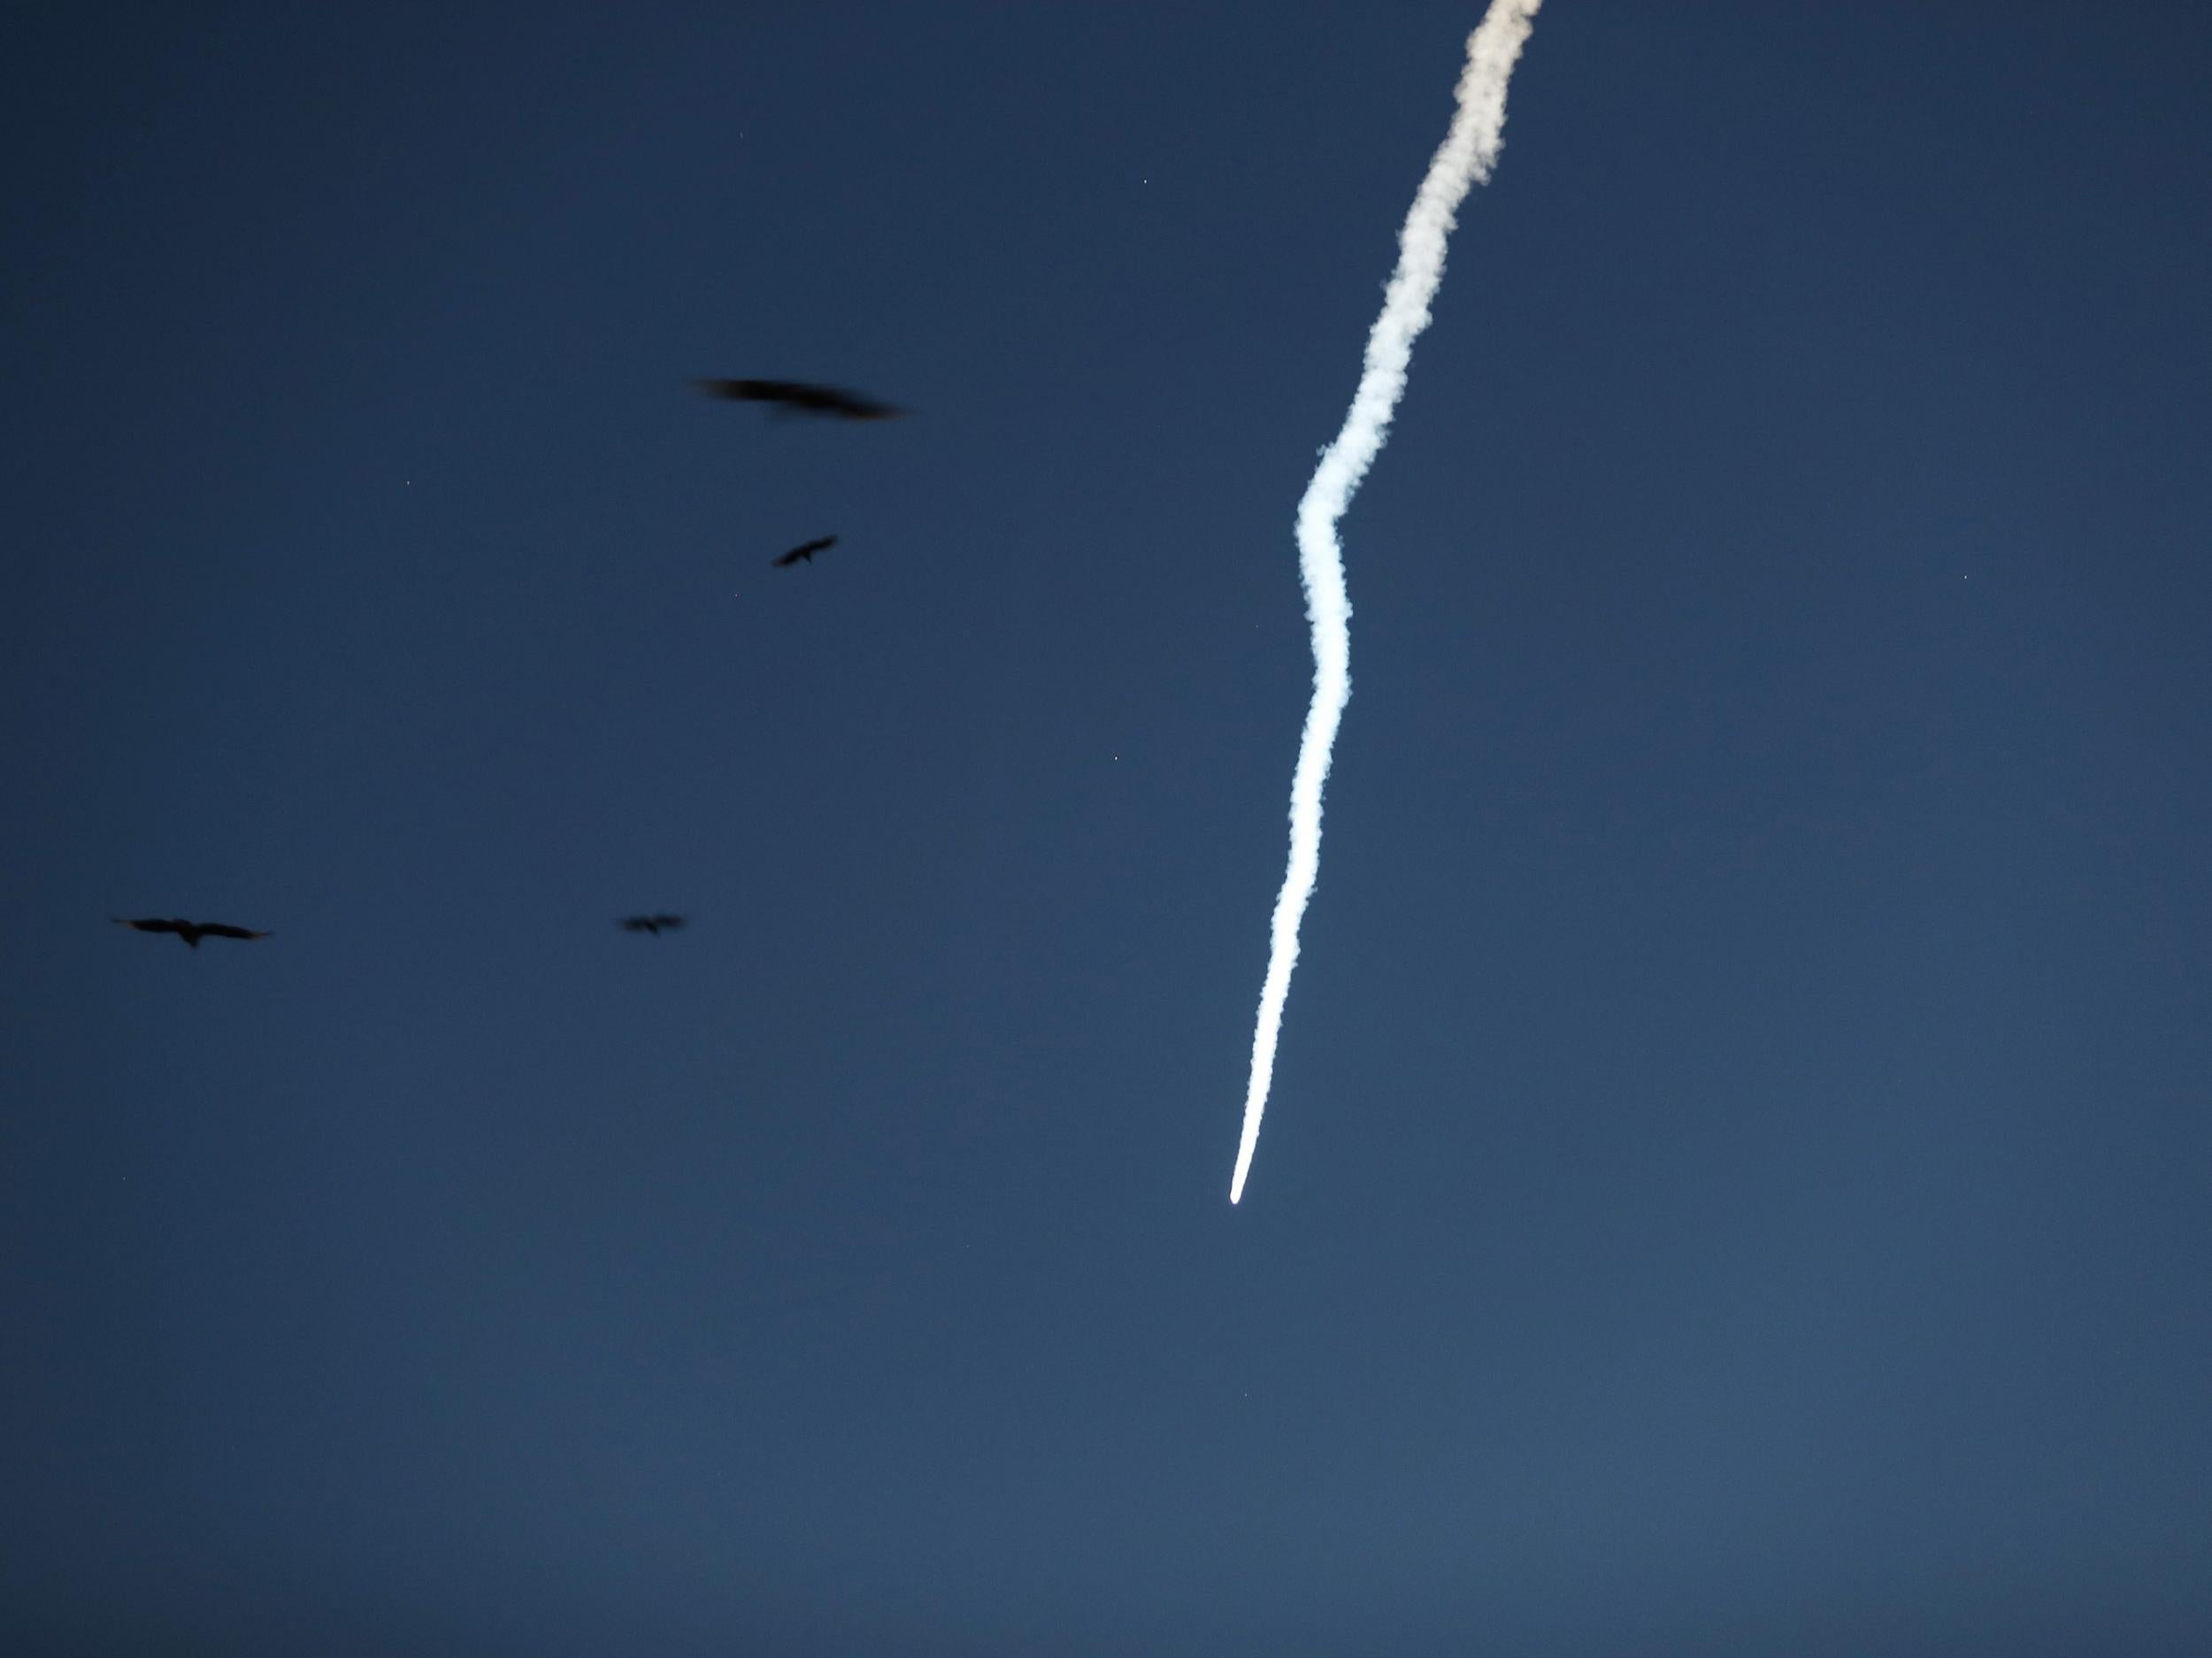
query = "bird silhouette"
x=191 y=932
x=802 y=397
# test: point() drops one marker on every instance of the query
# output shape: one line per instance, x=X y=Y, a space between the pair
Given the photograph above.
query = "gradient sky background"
x=1739 y=1176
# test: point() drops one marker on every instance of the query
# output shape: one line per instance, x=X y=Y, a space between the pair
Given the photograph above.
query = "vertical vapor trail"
x=1468 y=153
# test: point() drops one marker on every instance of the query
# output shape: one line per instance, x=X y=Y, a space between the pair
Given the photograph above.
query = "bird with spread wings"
x=802 y=397
x=191 y=932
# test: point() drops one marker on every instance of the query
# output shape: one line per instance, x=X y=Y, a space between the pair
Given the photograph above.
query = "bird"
x=805 y=552
x=191 y=932
x=649 y=924
x=798 y=394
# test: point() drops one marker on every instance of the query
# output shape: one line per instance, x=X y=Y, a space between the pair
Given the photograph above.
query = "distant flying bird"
x=649 y=924
x=804 y=551
x=191 y=932
x=791 y=394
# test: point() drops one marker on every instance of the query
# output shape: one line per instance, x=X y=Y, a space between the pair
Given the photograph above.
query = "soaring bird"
x=649 y=924
x=791 y=394
x=191 y=932
x=804 y=551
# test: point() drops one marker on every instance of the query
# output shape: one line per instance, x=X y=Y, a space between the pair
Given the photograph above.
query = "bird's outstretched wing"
x=671 y=922
x=804 y=551
x=224 y=930
x=151 y=924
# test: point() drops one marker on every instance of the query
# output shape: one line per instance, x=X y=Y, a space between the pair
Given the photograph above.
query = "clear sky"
x=1740 y=1173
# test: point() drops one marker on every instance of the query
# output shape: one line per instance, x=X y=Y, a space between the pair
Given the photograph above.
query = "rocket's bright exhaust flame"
x=1468 y=153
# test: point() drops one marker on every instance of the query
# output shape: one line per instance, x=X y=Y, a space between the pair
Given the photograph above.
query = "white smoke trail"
x=1468 y=153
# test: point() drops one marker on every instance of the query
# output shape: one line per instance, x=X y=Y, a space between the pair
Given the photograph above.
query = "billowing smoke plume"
x=1468 y=153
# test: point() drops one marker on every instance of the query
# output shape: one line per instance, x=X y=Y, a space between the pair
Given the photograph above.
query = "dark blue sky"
x=1738 y=1176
